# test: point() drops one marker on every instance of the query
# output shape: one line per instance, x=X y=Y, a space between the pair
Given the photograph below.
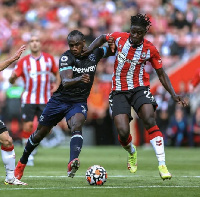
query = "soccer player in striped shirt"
x=36 y=70
x=131 y=87
x=7 y=147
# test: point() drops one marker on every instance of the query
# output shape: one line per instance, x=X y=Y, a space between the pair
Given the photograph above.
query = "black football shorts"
x=121 y=101
x=29 y=111
x=2 y=127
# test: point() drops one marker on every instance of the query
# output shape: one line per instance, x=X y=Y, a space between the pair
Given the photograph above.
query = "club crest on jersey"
x=160 y=61
x=92 y=57
x=48 y=65
x=143 y=55
x=64 y=58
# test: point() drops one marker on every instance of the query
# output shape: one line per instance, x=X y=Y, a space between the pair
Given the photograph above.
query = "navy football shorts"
x=56 y=110
x=29 y=111
x=2 y=127
x=121 y=101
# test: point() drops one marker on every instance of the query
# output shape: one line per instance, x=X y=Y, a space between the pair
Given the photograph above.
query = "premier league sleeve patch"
x=65 y=63
x=64 y=59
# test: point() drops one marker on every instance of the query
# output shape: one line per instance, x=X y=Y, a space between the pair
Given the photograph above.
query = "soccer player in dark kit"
x=131 y=87
x=69 y=101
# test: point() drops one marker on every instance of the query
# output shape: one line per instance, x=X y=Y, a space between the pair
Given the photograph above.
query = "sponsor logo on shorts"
x=23 y=116
x=41 y=118
x=83 y=110
x=2 y=122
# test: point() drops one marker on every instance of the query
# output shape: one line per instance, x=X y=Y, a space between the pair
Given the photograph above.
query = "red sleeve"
x=54 y=68
x=195 y=81
x=19 y=68
x=155 y=60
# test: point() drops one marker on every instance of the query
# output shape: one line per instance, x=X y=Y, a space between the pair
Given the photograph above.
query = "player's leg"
x=33 y=141
x=76 y=118
x=51 y=115
x=27 y=131
x=122 y=124
x=146 y=113
x=121 y=112
x=28 y=114
x=37 y=110
x=8 y=157
x=145 y=104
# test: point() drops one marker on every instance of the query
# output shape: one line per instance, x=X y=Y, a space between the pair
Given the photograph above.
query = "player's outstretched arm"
x=164 y=79
x=15 y=57
x=95 y=44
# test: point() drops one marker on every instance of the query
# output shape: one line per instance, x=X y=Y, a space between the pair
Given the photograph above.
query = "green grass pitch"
x=49 y=175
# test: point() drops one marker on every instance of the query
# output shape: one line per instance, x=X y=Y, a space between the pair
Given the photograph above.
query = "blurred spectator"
x=195 y=127
x=194 y=89
x=178 y=128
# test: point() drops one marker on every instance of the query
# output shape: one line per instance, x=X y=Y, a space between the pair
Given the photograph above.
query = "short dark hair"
x=75 y=33
x=141 y=20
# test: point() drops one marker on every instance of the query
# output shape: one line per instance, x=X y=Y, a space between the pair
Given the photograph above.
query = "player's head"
x=34 y=43
x=76 y=42
x=140 y=24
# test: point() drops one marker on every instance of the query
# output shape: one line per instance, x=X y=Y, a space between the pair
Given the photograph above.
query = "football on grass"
x=96 y=175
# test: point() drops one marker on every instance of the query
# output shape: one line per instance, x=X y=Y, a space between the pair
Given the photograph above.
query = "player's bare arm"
x=68 y=80
x=164 y=79
x=95 y=44
x=15 y=57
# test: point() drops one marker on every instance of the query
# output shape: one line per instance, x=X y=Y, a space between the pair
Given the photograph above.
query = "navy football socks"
x=75 y=144
x=30 y=146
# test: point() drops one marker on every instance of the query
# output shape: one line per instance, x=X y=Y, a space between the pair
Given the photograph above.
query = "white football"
x=96 y=175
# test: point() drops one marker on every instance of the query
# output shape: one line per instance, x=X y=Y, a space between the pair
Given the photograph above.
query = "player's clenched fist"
x=111 y=44
x=85 y=78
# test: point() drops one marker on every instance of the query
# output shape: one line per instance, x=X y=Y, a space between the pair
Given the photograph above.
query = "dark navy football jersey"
x=80 y=91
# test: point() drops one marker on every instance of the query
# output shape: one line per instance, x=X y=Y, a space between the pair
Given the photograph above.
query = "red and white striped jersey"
x=36 y=77
x=129 y=63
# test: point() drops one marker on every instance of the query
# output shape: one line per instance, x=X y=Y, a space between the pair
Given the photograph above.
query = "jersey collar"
x=36 y=58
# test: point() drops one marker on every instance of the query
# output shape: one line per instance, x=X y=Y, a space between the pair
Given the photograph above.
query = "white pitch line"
x=99 y=187
x=116 y=176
